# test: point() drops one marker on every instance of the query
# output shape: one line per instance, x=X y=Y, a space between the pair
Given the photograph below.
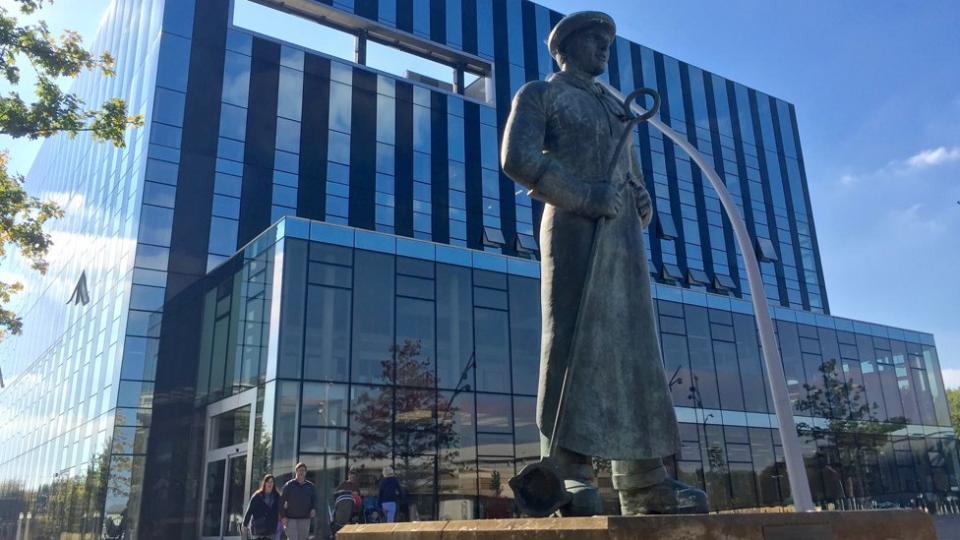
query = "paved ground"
x=948 y=527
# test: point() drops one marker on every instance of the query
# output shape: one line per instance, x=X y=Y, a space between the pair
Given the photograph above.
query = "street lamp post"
x=796 y=471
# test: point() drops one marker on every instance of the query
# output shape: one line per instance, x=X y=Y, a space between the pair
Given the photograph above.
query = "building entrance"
x=227 y=467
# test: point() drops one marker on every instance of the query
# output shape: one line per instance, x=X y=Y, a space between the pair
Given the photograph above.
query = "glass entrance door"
x=236 y=490
x=226 y=482
x=225 y=497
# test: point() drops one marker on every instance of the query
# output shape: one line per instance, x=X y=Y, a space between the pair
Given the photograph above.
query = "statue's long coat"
x=618 y=405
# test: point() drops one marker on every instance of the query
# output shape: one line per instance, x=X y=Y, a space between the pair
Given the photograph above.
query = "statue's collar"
x=590 y=86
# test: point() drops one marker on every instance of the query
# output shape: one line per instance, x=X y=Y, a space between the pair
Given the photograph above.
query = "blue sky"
x=877 y=90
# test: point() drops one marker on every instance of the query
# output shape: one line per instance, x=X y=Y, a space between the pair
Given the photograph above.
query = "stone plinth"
x=864 y=525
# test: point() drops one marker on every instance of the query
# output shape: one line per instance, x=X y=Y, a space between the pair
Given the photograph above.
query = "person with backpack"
x=263 y=511
x=390 y=494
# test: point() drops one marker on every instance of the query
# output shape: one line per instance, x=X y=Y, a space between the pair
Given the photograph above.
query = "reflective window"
x=525 y=333
x=491 y=329
x=324 y=405
x=291 y=28
x=327 y=344
x=373 y=317
x=236 y=78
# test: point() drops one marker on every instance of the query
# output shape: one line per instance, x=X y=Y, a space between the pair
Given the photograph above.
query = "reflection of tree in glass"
x=417 y=431
x=496 y=485
x=69 y=503
x=851 y=427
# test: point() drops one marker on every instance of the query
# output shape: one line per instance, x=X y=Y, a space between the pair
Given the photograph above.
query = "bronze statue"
x=598 y=322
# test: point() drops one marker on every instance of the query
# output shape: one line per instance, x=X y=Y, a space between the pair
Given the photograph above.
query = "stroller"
x=342 y=511
x=371 y=511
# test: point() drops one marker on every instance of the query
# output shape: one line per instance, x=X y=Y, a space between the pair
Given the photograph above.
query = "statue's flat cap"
x=578 y=21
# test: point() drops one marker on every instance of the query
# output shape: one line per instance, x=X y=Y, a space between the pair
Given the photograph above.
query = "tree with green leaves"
x=50 y=111
x=953 y=399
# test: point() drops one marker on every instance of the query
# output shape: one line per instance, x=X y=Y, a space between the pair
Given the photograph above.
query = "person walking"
x=263 y=511
x=298 y=503
x=390 y=494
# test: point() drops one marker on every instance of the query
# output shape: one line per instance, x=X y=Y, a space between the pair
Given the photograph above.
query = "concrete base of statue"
x=861 y=525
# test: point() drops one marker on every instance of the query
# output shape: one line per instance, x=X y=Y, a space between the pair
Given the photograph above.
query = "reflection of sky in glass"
x=332 y=42
x=293 y=29
x=398 y=63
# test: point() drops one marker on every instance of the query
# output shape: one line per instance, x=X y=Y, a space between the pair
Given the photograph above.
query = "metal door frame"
x=236 y=401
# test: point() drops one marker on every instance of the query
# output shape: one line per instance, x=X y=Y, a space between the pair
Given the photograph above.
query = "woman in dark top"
x=263 y=511
x=390 y=494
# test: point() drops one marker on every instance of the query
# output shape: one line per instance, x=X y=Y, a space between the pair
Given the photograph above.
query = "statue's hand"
x=602 y=200
x=644 y=205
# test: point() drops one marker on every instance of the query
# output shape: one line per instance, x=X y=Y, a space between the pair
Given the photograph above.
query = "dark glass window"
x=324 y=404
x=765 y=250
x=415 y=426
x=415 y=342
x=371 y=434
x=701 y=358
x=525 y=333
x=494 y=414
x=457 y=445
x=728 y=375
x=373 y=316
x=493 y=350
x=293 y=308
x=751 y=367
x=323 y=440
x=285 y=425
x=331 y=274
x=168 y=107
x=173 y=62
x=233 y=122
x=156 y=224
x=327 y=343
x=676 y=364
x=454 y=328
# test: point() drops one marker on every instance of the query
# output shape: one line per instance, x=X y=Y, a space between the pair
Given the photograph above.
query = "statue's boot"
x=580 y=482
x=645 y=488
x=668 y=497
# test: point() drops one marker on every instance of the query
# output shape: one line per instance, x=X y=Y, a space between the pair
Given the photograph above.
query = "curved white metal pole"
x=796 y=471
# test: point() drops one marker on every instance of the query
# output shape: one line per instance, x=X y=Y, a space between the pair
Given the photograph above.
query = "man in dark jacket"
x=298 y=504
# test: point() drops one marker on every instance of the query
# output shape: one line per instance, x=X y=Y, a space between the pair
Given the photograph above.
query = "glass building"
x=309 y=253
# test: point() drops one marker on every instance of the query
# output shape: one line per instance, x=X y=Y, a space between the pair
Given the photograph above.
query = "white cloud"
x=914 y=217
x=849 y=179
x=924 y=159
x=934 y=156
x=951 y=377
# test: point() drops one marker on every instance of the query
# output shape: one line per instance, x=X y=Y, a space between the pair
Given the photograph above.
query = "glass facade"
x=391 y=312
x=391 y=351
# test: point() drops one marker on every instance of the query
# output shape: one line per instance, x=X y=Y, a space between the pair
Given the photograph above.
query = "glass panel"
x=213 y=498
x=285 y=425
x=324 y=404
x=454 y=328
x=525 y=333
x=403 y=64
x=327 y=348
x=417 y=474
x=458 y=453
x=297 y=30
x=372 y=317
x=415 y=426
x=493 y=352
x=236 y=496
x=496 y=497
x=230 y=428
x=371 y=409
x=415 y=338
